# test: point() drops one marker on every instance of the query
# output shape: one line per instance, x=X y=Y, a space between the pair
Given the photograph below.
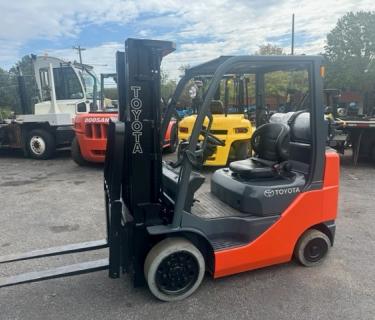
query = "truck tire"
x=40 y=144
x=76 y=153
x=174 y=268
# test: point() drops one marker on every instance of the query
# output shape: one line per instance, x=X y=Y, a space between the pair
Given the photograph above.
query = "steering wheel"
x=212 y=139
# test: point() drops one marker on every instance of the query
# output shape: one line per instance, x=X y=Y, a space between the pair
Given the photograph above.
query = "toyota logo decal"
x=269 y=193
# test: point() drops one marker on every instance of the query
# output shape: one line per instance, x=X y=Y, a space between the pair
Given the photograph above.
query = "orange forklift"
x=166 y=225
x=90 y=140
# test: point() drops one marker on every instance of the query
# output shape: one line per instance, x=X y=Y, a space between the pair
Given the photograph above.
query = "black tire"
x=312 y=248
x=40 y=144
x=174 y=268
x=173 y=143
x=76 y=153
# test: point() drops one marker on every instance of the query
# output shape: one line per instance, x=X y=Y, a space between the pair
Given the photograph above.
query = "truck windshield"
x=67 y=84
x=88 y=80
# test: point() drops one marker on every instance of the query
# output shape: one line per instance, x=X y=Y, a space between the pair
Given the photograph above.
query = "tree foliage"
x=279 y=84
x=269 y=50
x=349 y=51
x=111 y=93
x=167 y=86
x=9 y=90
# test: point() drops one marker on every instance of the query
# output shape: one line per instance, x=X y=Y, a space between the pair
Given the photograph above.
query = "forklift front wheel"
x=174 y=269
x=76 y=153
x=312 y=248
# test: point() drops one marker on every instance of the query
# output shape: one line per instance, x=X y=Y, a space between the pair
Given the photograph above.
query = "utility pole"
x=292 y=49
x=79 y=49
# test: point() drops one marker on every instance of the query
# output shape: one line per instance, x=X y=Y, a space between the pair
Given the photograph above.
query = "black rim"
x=315 y=250
x=177 y=273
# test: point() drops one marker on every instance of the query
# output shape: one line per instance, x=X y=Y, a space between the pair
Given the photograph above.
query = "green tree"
x=8 y=92
x=276 y=82
x=284 y=86
x=167 y=86
x=25 y=66
x=269 y=50
x=349 y=51
x=111 y=93
x=185 y=100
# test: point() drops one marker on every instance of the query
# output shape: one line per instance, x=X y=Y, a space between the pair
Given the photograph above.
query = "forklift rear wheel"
x=312 y=248
x=174 y=269
x=76 y=153
x=40 y=144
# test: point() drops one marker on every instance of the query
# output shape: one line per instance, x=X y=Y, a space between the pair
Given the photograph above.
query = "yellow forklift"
x=230 y=116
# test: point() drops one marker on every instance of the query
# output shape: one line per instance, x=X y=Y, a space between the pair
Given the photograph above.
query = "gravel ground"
x=54 y=202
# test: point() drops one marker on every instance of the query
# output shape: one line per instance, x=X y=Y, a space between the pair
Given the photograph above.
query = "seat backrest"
x=271 y=142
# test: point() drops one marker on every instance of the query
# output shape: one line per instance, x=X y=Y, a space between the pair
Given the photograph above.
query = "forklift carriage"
x=166 y=227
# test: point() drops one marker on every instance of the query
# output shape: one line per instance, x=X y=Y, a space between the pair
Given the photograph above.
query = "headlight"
x=241 y=130
x=184 y=130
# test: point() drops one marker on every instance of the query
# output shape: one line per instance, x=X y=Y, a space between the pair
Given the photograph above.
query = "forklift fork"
x=59 y=272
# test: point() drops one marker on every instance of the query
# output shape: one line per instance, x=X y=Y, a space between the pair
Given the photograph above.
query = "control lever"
x=193 y=157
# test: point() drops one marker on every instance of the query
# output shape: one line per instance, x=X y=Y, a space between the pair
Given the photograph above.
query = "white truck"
x=65 y=89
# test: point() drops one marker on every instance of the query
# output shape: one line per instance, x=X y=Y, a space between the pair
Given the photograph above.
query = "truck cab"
x=75 y=86
x=65 y=90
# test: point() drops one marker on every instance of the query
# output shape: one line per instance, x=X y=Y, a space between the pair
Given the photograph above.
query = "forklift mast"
x=140 y=111
x=133 y=166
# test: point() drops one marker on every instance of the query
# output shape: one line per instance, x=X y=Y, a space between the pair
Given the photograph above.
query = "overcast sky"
x=202 y=29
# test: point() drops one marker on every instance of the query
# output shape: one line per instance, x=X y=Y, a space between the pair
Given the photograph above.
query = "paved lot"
x=49 y=203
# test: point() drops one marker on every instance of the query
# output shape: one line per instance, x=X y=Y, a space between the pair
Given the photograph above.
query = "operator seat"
x=270 y=143
x=246 y=191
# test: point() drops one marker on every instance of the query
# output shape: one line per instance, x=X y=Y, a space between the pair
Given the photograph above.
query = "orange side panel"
x=91 y=133
x=331 y=179
x=276 y=245
x=167 y=136
x=92 y=150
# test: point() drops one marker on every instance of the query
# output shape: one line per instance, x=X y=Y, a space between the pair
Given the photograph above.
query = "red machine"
x=90 y=140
